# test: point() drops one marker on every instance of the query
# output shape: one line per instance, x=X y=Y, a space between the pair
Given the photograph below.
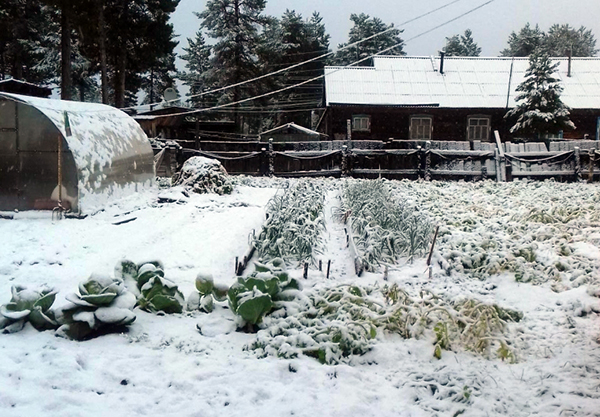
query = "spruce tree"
x=540 y=110
x=462 y=45
x=364 y=27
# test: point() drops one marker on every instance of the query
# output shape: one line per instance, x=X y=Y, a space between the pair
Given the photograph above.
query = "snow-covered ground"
x=165 y=366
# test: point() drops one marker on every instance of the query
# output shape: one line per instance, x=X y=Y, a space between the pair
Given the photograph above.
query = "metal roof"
x=467 y=82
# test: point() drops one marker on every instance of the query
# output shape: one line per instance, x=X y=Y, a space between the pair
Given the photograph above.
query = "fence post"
x=592 y=159
x=428 y=160
x=577 y=152
x=421 y=162
x=263 y=161
x=271 y=158
x=500 y=159
x=344 y=160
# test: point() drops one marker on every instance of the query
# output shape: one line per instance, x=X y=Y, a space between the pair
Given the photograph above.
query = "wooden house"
x=448 y=98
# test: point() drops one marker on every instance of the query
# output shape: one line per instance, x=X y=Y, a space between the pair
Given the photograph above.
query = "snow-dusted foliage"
x=385 y=229
x=102 y=304
x=549 y=236
x=28 y=305
x=335 y=324
x=294 y=225
x=204 y=175
x=540 y=109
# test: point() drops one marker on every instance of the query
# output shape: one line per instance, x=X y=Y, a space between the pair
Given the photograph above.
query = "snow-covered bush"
x=28 y=305
x=337 y=323
x=154 y=292
x=204 y=175
x=294 y=225
x=255 y=296
x=384 y=228
x=102 y=304
x=207 y=293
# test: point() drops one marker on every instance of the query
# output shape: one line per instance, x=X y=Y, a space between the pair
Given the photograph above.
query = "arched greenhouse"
x=83 y=154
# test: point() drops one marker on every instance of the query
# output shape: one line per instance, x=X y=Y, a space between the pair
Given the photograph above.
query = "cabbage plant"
x=207 y=293
x=27 y=305
x=102 y=305
x=255 y=296
x=154 y=292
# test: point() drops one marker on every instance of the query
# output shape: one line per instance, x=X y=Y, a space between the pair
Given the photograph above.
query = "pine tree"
x=560 y=40
x=462 y=45
x=563 y=39
x=160 y=76
x=365 y=26
x=525 y=42
x=197 y=64
x=24 y=26
x=540 y=110
x=299 y=40
x=236 y=25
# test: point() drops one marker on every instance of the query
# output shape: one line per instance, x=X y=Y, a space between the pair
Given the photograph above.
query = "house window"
x=420 y=127
x=361 y=123
x=478 y=128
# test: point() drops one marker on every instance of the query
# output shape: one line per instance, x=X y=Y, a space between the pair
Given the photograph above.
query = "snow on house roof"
x=466 y=82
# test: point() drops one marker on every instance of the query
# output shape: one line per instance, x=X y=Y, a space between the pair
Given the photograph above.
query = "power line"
x=338 y=68
x=315 y=58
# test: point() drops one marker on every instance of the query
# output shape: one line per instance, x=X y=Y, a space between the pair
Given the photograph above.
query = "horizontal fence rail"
x=566 y=161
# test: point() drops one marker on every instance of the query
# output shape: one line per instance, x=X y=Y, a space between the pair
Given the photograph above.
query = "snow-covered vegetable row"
x=337 y=323
x=536 y=231
x=384 y=228
x=294 y=225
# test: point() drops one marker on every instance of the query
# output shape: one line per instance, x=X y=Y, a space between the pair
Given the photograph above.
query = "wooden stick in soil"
x=328 y=266
x=431 y=250
x=305 y=270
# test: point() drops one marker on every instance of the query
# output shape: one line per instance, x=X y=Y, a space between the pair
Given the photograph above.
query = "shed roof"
x=286 y=128
x=467 y=82
x=12 y=85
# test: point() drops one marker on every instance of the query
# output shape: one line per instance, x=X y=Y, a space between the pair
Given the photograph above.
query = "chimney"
x=570 y=56
x=442 y=53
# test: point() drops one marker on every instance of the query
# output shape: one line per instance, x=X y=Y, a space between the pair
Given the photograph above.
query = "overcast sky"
x=491 y=25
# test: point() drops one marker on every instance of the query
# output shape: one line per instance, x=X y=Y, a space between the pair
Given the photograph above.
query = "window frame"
x=416 y=117
x=361 y=117
x=486 y=117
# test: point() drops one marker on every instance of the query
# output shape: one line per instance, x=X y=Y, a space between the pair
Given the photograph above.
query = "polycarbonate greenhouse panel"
x=105 y=153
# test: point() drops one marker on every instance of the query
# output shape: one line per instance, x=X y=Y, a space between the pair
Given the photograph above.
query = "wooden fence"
x=397 y=159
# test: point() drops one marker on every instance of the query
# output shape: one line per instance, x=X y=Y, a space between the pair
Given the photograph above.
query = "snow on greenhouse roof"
x=467 y=82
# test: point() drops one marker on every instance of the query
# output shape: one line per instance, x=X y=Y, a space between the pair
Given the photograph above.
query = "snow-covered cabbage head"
x=31 y=305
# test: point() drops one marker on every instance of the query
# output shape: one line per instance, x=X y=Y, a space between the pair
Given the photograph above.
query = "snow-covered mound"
x=204 y=175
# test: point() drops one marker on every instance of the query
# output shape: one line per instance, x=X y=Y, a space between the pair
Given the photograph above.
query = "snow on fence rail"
x=566 y=160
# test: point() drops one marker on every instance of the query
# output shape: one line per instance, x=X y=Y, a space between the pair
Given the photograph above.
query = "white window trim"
x=420 y=117
x=479 y=117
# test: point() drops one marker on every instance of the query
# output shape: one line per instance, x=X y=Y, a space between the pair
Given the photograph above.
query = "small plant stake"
x=328 y=266
x=385 y=273
x=305 y=270
x=431 y=251
x=320 y=265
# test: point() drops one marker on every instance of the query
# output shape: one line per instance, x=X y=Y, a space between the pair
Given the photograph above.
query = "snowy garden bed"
x=517 y=340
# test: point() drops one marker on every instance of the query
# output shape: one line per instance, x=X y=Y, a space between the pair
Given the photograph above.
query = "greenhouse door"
x=9 y=160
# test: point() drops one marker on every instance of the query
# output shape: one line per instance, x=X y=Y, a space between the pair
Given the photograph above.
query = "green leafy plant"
x=27 y=305
x=154 y=292
x=207 y=293
x=255 y=296
x=102 y=305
